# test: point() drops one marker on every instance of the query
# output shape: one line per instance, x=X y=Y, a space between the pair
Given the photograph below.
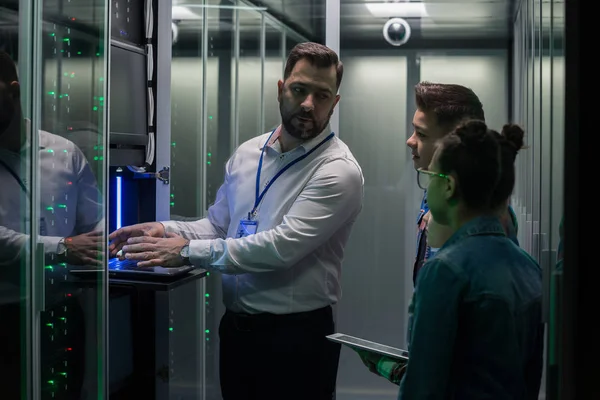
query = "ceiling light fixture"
x=402 y=9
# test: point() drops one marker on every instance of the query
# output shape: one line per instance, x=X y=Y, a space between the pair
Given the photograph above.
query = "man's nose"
x=411 y=142
x=308 y=103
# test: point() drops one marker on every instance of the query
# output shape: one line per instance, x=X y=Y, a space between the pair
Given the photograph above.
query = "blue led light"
x=119 y=200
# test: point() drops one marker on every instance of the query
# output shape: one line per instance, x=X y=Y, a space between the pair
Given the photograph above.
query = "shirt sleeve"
x=13 y=243
x=330 y=199
x=215 y=225
x=434 y=324
x=89 y=198
x=390 y=369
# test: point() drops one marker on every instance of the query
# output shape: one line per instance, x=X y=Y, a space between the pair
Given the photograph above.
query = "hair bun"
x=472 y=132
x=514 y=135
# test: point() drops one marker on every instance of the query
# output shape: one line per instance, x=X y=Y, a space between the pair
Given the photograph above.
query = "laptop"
x=128 y=269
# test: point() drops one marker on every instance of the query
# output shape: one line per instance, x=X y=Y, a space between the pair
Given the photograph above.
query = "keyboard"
x=124 y=265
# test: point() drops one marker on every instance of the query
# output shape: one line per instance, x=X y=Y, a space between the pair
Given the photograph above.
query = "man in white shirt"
x=277 y=232
x=69 y=227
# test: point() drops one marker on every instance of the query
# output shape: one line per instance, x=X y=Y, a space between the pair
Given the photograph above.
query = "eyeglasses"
x=424 y=177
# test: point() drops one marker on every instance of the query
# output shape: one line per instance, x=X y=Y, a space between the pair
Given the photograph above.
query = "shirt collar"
x=306 y=146
x=484 y=225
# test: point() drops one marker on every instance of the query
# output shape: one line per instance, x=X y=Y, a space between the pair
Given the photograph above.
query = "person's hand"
x=369 y=359
x=119 y=237
x=155 y=252
x=85 y=249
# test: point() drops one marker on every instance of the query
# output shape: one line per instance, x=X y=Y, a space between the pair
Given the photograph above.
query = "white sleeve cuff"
x=200 y=252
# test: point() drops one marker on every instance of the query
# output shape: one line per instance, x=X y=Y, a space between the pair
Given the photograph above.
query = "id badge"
x=246 y=228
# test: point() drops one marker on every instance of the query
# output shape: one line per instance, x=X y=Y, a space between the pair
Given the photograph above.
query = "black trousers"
x=278 y=357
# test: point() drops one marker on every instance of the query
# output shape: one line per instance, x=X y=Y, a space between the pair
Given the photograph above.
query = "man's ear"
x=279 y=90
x=15 y=89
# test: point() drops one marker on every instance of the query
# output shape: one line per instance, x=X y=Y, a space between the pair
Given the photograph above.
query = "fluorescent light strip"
x=401 y=10
x=119 y=200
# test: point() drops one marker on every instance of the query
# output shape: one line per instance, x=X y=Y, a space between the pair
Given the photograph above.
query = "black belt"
x=266 y=321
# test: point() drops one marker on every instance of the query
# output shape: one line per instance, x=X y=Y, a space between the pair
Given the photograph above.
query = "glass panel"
x=187 y=70
x=16 y=244
x=273 y=65
x=72 y=165
x=370 y=77
x=249 y=76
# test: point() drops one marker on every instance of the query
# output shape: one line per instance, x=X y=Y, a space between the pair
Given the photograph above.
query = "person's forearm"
x=391 y=370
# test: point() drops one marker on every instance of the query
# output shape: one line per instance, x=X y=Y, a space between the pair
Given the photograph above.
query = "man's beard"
x=299 y=132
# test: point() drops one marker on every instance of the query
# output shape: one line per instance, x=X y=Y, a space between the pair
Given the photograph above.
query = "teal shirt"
x=476 y=331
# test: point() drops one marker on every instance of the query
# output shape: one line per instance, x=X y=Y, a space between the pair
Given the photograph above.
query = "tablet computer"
x=358 y=343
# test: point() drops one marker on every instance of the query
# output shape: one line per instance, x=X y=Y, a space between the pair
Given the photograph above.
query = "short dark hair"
x=472 y=153
x=450 y=103
x=318 y=55
x=8 y=68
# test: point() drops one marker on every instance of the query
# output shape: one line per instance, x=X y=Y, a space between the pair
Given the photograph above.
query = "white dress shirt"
x=293 y=262
x=69 y=197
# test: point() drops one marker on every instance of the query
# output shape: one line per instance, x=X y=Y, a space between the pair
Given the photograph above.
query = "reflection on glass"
x=61 y=198
x=15 y=240
x=71 y=196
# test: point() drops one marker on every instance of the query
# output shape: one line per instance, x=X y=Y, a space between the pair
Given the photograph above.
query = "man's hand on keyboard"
x=119 y=238
x=155 y=252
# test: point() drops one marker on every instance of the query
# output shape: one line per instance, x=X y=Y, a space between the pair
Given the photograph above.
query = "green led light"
x=173 y=144
x=172 y=195
x=208 y=274
x=210 y=117
x=97 y=54
x=62 y=206
x=171 y=329
x=207 y=331
x=53 y=34
x=51 y=93
x=63 y=373
x=207 y=295
x=50 y=325
x=51 y=382
x=50 y=208
x=66 y=39
x=96 y=158
x=79 y=53
x=95 y=108
x=208 y=162
x=50 y=267
x=209 y=154
x=172 y=203
x=50 y=151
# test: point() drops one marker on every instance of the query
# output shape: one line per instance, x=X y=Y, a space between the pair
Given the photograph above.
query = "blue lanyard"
x=259 y=196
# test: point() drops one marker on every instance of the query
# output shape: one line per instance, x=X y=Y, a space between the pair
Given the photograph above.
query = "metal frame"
x=332 y=40
x=163 y=103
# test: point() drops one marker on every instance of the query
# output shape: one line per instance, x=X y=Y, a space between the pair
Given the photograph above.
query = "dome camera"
x=396 y=31
x=174 y=32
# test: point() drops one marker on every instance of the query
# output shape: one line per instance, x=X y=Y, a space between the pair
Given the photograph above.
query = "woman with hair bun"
x=476 y=330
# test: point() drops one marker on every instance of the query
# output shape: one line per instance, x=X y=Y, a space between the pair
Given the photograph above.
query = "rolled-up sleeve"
x=331 y=198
